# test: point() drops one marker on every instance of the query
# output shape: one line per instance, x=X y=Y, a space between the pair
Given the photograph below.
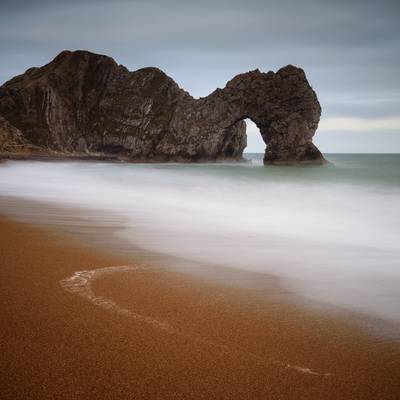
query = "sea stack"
x=86 y=104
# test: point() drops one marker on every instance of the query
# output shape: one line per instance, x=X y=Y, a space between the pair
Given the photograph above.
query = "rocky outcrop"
x=84 y=103
x=12 y=140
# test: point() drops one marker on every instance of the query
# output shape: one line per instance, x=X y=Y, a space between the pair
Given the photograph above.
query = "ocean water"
x=331 y=233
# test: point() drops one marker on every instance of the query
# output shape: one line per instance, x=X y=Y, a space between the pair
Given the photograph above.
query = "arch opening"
x=255 y=142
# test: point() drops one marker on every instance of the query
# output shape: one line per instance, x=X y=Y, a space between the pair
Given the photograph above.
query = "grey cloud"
x=349 y=49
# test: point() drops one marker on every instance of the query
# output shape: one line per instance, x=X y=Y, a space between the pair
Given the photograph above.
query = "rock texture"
x=85 y=103
x=12 y=140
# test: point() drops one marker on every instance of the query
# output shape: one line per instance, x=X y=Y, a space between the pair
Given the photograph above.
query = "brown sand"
x=166 y=335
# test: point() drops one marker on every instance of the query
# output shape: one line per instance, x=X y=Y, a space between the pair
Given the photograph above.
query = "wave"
x=329 y=234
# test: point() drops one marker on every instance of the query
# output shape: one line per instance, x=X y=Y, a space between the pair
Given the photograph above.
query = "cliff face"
x=12 y=140
x=84 y=103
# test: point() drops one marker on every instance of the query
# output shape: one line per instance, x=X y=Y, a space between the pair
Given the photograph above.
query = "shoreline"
x=82 y=227
x=57 y=343
x=113 y=158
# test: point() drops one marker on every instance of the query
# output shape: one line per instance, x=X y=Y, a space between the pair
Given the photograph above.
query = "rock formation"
x=12 y=140
x=84 y=103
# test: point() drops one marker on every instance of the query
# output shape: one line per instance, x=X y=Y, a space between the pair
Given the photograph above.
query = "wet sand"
x=136 y=331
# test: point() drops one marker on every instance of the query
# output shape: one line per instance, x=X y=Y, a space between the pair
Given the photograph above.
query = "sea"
x=330 y=233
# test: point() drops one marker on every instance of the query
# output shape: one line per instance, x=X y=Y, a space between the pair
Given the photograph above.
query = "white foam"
x=80 y=283
x=333 y=242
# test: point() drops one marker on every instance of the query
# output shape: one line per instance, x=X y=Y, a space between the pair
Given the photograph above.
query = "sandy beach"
x=136 y=331
x=199 y=200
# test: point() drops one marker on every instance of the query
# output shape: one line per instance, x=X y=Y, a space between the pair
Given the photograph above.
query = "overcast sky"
x=350 y=51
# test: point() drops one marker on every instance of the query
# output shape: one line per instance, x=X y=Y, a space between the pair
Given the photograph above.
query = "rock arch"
x=283 y=106
x=86 y=103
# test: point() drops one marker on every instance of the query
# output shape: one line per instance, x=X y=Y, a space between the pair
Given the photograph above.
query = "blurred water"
x=330 y=232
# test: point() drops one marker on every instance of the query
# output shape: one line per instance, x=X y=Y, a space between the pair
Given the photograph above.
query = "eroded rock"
x=85 y=103
x=12 y=140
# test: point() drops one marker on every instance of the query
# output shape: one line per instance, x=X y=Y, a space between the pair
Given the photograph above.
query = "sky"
x=350 y=51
